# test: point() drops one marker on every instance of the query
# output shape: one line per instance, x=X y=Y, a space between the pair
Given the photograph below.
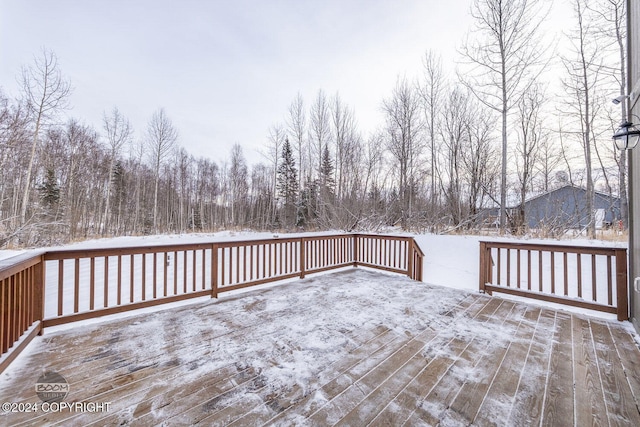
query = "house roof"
x=572 y=186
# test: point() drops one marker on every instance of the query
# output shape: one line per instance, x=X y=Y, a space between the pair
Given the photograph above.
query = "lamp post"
x=626 y=137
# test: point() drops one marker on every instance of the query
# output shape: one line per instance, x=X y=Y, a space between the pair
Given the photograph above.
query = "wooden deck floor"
x=365 y=349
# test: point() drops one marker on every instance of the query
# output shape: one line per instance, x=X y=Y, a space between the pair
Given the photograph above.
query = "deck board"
x=559 y=397
x=440 y=356
x=590 y=405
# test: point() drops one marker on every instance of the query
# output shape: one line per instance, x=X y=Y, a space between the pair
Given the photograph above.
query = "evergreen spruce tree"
x=50 y=191
x=118 y=196
x=326 y=191
x=287 y=185
x=327 y=183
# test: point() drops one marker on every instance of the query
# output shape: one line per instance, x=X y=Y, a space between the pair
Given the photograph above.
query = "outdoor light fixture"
x=618 y=99
x=626 y=137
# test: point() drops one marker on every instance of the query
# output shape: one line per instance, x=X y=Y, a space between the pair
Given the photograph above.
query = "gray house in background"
x=566 y=208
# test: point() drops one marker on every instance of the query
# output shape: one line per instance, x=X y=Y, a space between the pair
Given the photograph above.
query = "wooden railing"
x=81 y=284
x=582 y=276
x=21 y=304
x=64 y=286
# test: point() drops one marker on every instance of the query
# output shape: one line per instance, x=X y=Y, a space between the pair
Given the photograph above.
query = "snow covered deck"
x=355 y=347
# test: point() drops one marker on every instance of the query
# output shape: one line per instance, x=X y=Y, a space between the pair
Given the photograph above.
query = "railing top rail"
x=12 y=265
x=383 y=236
x=71 y=253
x=578 y=249
x=57 y=254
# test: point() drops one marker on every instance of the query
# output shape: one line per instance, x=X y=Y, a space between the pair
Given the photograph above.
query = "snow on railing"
x=64 y=286
x=581 y=276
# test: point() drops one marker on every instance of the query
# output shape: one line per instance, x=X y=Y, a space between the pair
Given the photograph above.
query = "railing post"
x=621 y=284
x=355 y=250
x=420 y=261
x=410 y=257
x=302 y=257
x=483 y=266
x=39 y=274
x=214 y=271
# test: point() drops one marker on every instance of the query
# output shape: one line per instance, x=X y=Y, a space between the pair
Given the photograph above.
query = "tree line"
x=449 y=147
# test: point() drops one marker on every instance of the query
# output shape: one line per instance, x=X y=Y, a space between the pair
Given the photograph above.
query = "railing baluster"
x=303 y=257
x=119 y=281
x=194 y=270
x=281 y=256
x=222 y=252
x=106 y=282
x=175 y=272
x=499 y=265
x=12 y=309
x=184 y=271
x=155 y=275
x=518 y=267
x=579 y=273
x=214 y=271
x=508 y=267
x=132 y=267
x=237 y=265
x=528 y=270
x=204 y=270
x=609 y=282
x=244 y=263
x=594 y=294
x=60 y=285
x=553 y=272
x=540 y=277
x=270 y=259
x=566 y=274
x=76 y=285
x=144 y=277
x=165 y=273
x=4 y=315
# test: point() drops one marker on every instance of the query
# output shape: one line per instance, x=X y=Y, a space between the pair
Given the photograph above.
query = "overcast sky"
x=225 y=71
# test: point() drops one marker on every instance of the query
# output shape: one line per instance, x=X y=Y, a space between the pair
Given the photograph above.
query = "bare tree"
x=404 y=130
x=431 y=92
x=612 y=18
x=118 y=132
x=238 y=185
x=531 y=136
x=346 y=141
x=319 y=138
x=480 y=159
x=277 y=137
x=161 y=138
x=504 y=58
x=45 y=92
x=319 y=129
x=14 y=138
x=583 y=75
x=296 y=127
x=454 y=134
